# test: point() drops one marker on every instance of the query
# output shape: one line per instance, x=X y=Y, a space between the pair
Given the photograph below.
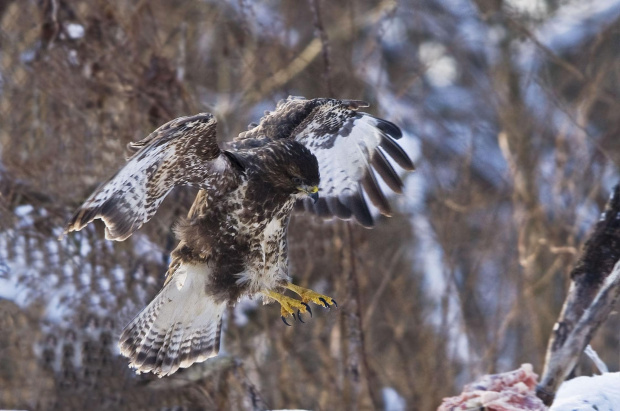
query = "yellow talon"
x=308 y=295
x=289 y=305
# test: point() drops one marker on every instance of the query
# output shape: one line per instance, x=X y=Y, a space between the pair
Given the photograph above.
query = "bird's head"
x=303 y=189
x=294 y=169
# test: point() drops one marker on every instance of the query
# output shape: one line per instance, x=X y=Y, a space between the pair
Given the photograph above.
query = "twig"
x=387 y=278
x=355 y=335
x=352 y=331
x=258 y=404
x=311 y=51
x=50 y=26
x=315 y=5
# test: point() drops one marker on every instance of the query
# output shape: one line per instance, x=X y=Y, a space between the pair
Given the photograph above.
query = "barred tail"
x=181 y=326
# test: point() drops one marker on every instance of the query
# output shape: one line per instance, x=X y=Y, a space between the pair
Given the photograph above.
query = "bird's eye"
x=297 y=181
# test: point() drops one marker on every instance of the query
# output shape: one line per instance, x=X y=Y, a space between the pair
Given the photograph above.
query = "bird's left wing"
x=183 y=151
x=351 y=148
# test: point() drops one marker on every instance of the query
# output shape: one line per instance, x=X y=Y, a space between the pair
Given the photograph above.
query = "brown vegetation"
x=518 y=153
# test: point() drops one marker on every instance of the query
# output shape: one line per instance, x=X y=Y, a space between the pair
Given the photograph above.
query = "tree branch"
x=593 y=292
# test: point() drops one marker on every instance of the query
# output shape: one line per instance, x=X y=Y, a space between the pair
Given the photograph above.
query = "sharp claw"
x=324 y=302
x=299 y=316
x=284 y=321
x=308 y=308
x=335 y=303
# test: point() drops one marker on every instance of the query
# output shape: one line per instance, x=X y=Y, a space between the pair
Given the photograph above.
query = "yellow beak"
x=313 y=192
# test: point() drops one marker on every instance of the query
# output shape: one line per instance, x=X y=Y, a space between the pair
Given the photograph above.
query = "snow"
x=392 y=400
x=10 y=289
x=28 y=56
x=576 y=21
x=240 y=318
x=75 y=31
x=23 y=213
x=441 y=69
x=60 y=275
x=146 y=249
x=597 y=393
x=23 y=210
x=73 y=58
x=533 y=8
x=393 y=31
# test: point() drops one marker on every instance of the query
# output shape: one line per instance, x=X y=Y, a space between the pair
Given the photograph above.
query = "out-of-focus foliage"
x=508 y=107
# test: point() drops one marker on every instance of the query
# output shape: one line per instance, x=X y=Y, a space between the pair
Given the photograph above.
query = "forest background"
x=509 y=110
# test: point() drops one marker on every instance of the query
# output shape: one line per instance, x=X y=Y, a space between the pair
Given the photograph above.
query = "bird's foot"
x=308 y=295
x=290 y=306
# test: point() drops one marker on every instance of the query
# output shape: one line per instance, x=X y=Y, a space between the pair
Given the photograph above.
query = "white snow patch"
x=24 y=214
x=23 y=210
x=442 y=69
x=392 y=400
x=73 y=58
x=12 y=291
x=118 y=273
x=600 y=392
x=75 y=31
x=532 y=8
x=240 y=318
x=394 y=32
x=104 y=283
x=58 y=307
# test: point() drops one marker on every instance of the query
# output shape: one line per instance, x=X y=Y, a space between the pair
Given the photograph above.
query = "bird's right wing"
x=183 y=151
x=351 y=147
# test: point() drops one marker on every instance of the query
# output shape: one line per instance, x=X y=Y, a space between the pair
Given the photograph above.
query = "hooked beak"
x=313 y=192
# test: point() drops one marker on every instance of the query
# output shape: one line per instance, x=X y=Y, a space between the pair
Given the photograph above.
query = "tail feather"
x=181 y=326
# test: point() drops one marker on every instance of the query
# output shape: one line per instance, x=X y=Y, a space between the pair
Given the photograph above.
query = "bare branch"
x=594 y=289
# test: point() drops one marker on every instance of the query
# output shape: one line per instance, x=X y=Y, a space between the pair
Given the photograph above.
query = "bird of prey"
x=319 y=154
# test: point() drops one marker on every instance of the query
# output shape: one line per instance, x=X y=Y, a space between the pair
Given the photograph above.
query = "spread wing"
x=350 y=146
x=183 y=151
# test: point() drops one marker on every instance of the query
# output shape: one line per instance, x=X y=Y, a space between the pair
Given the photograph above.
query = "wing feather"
x=369 y=182
x=388 y=127
x=338 y=209
x=356 y=203
x=348 y=145
x=383 y=167
x=395 y=151
x=183 y=151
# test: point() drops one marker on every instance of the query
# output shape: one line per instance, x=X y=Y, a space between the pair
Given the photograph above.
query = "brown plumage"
x=233 y=241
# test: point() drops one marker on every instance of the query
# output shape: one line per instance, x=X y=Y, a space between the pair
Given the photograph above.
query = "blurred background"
x=509 y=110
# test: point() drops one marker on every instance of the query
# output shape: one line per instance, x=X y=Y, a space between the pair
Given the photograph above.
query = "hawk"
x=319 y=154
